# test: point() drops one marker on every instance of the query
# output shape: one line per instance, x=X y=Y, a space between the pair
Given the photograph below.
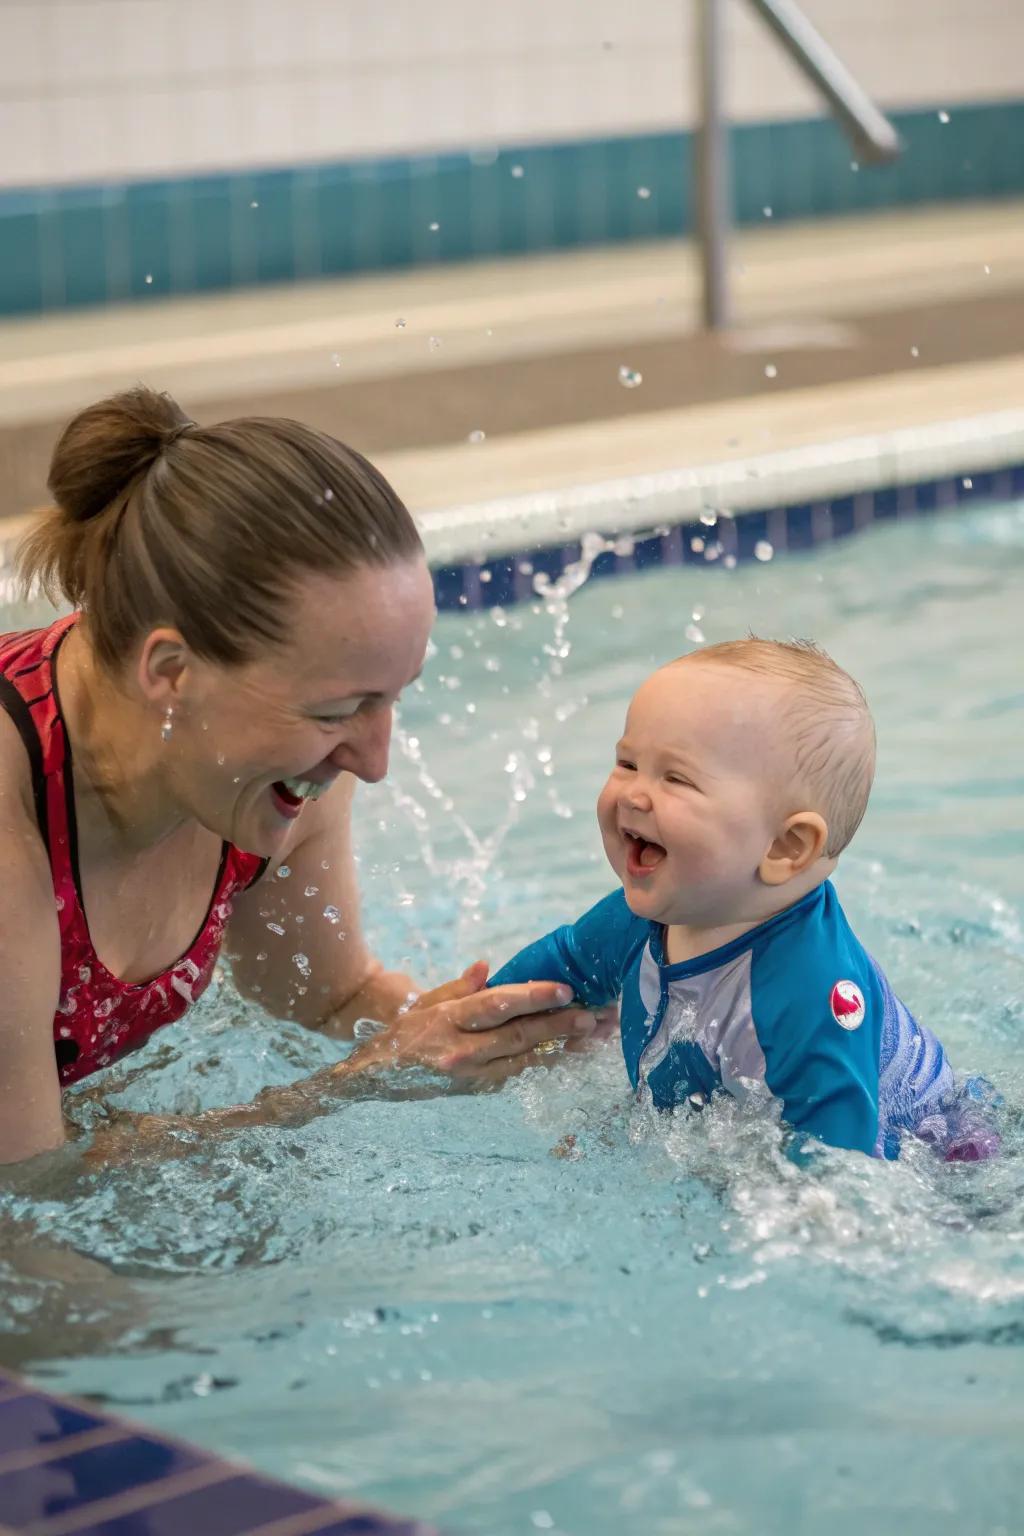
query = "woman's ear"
x=801 y=843
x=163 y=658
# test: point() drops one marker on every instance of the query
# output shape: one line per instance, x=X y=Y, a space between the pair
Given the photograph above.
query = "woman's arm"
x=319 y=972
x=30 y=1096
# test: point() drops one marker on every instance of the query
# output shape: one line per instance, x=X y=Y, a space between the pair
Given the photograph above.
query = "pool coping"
x=211 y=1491
x=492 y=552
x=497 y=551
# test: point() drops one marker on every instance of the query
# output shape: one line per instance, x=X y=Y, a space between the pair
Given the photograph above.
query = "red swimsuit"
x=98 y=1017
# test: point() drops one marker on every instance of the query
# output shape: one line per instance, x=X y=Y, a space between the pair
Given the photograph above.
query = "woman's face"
x=256 y=743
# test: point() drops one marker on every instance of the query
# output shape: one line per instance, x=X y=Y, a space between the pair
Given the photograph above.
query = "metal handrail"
x=873 y=137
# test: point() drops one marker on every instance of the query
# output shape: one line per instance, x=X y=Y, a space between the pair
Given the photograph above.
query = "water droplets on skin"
x=276 y=928
x=301 y=964
x=630 y=378
x=312 y=890
x=283 y=871
x=332 y=914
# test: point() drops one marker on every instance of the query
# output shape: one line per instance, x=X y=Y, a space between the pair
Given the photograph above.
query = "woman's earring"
x=168 y=725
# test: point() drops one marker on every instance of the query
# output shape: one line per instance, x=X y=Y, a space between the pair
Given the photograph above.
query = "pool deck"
x=845 y=333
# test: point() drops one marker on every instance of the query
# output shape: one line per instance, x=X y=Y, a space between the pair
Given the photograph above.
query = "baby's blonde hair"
x=831 y=732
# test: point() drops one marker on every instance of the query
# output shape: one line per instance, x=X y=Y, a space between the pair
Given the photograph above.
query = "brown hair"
x=828 y=721
x=159 y=520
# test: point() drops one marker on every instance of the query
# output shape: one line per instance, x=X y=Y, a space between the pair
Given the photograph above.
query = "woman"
x=250 y=600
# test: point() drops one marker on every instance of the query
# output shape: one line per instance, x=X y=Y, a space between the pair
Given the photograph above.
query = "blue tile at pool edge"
x=35 y=1420
x=73 y=1482
x=233 y=1507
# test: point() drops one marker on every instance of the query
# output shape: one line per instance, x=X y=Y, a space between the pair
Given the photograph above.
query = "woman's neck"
x=121 y=780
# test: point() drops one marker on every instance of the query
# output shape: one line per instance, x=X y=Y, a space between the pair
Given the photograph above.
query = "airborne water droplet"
x=629 y=378
x=763 y=550
x=518 y=172
x=770 y=371
x=476 y=436
x=943 y=117
x=643 y=193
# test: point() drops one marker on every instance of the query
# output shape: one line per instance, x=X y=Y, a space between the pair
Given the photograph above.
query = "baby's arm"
x=589 y=955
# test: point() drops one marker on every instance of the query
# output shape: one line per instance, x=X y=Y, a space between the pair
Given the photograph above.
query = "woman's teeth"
x=305 y=789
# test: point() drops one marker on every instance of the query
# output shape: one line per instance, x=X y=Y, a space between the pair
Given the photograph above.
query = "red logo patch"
x=847 y=1004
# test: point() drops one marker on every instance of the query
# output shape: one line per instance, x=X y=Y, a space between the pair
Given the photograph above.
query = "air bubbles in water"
x=763 y=550
x=477 y=436
x=630 y=378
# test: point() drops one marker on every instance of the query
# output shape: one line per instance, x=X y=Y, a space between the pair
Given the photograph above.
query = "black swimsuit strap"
x=12 y=701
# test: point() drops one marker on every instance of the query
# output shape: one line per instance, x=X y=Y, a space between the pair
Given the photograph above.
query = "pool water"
x=547 y=1309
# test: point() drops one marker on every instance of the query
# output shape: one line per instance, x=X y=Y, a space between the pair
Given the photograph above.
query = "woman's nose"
x=365 y=752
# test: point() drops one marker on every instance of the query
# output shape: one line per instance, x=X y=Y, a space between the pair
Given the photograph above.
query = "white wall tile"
x=23 y=62
x=82 y=41
x=84 y=139
x=268 y=81
x=25 y=148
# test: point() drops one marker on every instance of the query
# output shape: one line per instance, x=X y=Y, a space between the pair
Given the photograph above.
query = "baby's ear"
x=801 y=843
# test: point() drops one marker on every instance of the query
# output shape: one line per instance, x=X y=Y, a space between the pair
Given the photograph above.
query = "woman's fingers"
x=498 y=1006
x=472 y=979
x=524 y=1035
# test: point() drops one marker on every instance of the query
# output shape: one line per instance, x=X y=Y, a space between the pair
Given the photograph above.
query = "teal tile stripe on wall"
x=69 y=246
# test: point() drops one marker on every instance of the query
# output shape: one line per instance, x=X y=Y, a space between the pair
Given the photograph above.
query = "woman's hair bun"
x=106 y=447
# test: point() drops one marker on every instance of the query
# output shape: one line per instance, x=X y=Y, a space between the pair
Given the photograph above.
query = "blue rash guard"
x=795 y=1008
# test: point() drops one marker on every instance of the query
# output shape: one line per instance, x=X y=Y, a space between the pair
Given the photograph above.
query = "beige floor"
x=840 y=329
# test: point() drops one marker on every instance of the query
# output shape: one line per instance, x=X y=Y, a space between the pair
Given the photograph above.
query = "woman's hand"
x=478 y=1037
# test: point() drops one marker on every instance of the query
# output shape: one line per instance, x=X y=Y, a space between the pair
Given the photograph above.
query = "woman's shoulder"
x=16 y=788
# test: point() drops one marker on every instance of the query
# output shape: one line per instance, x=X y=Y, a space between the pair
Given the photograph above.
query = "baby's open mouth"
x=641 y=854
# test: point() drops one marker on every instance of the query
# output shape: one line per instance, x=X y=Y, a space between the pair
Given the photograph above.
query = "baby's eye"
x=677 y=778
x=624 y=762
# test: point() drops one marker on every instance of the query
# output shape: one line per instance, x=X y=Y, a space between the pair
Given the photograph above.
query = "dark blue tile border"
x=65 y=1467
x=97 y=244
x=789 y=529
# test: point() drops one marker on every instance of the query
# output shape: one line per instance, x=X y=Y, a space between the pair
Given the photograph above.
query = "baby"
x=743 y=773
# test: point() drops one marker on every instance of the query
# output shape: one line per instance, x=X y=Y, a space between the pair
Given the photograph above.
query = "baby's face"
x=697 y=795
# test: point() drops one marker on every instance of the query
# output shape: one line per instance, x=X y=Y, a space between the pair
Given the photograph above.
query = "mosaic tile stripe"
x=100 y=244
x=67 y=1470
x=754 y=535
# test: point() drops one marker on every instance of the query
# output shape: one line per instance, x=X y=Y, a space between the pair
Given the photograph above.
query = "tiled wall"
x=101 y=90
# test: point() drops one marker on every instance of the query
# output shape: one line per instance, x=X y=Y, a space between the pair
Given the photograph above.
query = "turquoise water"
x=670 y=1330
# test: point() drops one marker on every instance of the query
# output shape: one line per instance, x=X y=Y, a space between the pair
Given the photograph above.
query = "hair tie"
x=175 y=433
